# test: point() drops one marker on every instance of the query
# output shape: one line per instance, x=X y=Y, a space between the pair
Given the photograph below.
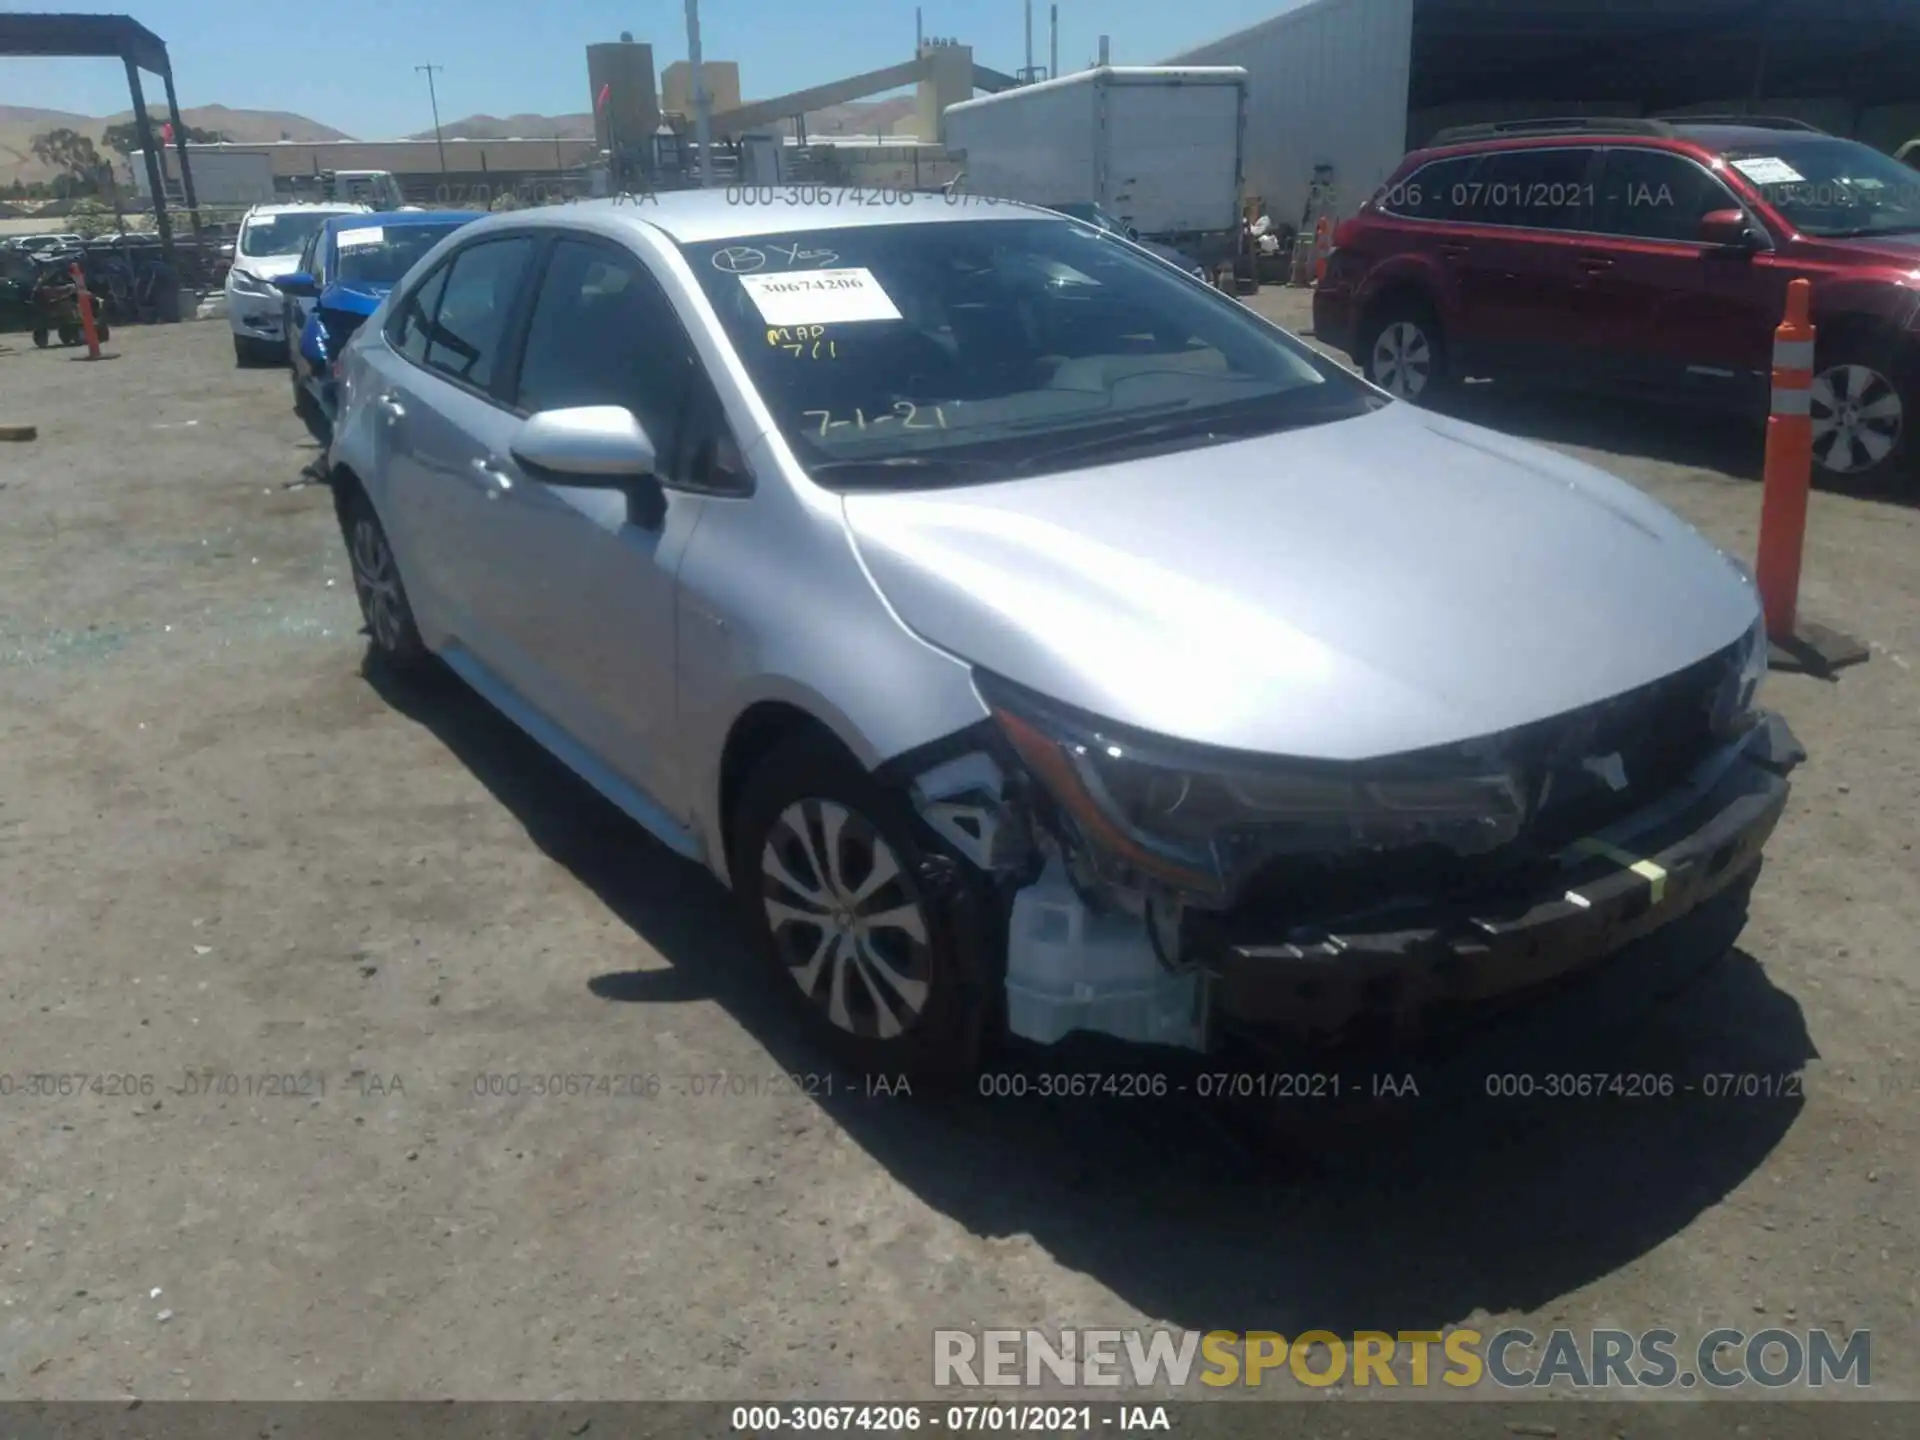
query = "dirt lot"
x=226 y=855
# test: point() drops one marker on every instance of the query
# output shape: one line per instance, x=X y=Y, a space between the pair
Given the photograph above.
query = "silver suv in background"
x=268 y=246
x=1035 y=639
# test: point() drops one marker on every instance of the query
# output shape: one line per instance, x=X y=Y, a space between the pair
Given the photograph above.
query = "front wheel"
x=1863 y=407
x=1404 y=352
x=40 y=337
x=70 y=334
x=830 y=877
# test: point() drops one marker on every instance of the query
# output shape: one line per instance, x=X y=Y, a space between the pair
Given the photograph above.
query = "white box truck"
x=223 y=178
x=1159 y=147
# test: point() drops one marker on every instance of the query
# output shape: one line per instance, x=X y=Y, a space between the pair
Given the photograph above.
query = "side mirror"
x=595 y=447
x=1133 y=233
x=1728 y=229
x=299 y=283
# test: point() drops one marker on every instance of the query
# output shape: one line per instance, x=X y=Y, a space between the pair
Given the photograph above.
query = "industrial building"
x=1347 y=87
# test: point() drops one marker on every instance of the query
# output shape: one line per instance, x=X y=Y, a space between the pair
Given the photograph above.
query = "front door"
x=600 y=601
x=1676 y=318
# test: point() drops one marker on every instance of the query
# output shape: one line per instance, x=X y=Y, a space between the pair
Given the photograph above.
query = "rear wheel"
x=829 y=875
x=40 y=336
x=70 y=334
x=1865 y=402
x=1404 y=352
x=377 y=585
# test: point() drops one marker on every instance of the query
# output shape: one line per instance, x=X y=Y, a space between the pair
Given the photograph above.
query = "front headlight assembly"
x=1198 y=823
x=246 y=284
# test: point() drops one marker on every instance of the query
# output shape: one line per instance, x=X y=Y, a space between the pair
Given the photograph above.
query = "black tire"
x=248 y=352
x=1403 y=350
x=70 y=334
x=1866 y=412
x=906 y=1000
x=392 y=635
x=40 y=337
x=102 y=332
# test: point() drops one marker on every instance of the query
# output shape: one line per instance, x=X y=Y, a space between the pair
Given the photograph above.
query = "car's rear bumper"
x=1334 y=318
x=1439 y=968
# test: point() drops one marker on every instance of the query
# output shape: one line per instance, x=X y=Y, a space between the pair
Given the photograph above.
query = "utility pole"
x=433 y=99
x=1027 y=74
x=702 y=101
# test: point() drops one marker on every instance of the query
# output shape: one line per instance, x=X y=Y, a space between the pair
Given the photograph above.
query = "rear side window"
x=1536 y=189
x=1656 y=195
x=414 y=319
x=470 y=326
x=1437 y=191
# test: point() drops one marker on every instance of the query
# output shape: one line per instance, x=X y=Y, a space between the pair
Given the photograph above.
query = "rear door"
x=1518 y=258
x=1172 y=156
x=1674 y=316
x=447 y=428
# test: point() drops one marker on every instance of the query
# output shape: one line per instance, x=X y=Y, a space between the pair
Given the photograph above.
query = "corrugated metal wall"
x=1327 y=85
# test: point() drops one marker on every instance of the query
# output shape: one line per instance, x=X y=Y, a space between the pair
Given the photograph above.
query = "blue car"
x=345 y=271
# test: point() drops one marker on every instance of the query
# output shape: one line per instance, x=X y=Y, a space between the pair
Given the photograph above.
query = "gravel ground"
x=227 y=855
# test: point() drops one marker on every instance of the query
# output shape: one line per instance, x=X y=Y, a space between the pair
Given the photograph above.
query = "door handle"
x=492 y=475
x=1594 y=264
x=391 y=407
x=1454 y=252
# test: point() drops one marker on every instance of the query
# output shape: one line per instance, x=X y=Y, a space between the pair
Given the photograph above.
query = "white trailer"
x=1158 y=147
x=223 y=176
x=1327 y=96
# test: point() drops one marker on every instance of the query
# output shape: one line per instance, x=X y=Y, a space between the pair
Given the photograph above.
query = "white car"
x=269 y=244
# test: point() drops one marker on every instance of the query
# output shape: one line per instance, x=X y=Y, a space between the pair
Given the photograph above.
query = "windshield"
x=1833 y=188
x=281 y=234
x=372 y=255
x=924 y=354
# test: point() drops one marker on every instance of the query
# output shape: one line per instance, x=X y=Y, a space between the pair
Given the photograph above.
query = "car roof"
x=309 y=207
x=1710 y=138
x=403 y=219
x=696 y=217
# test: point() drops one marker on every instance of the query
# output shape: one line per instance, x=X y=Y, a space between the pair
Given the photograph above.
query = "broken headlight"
x=1199 y=822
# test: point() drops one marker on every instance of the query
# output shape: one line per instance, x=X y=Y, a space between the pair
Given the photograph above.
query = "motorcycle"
x=54 y=303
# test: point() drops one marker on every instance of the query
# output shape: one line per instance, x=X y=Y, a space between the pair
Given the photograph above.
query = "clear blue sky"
x=510 y=56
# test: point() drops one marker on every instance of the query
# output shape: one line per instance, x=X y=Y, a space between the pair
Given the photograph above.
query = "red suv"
x=1645 y=257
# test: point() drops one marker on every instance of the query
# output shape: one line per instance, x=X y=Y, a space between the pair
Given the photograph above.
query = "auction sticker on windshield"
x=357 y=239
x=820 y=297
x=1768 y=170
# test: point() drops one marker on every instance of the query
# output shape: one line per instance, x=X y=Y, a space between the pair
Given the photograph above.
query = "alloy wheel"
x=1402 y=360
x=1857 y=418
x=376 y=581
x=847 y=919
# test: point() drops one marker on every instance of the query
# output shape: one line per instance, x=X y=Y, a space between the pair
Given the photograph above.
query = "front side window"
x=1656 y=195
x=1832 y=188
x=465 y=337
x=942 y=352
x=603 y=333
x=374 y=254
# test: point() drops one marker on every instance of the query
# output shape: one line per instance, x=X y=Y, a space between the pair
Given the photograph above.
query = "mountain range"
x=20 y=123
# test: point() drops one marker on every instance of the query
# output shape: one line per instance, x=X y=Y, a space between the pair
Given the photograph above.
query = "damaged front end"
x=1170 y=895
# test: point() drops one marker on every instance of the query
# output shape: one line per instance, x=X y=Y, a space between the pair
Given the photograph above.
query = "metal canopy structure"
x=1658 y=54
x=136 y=47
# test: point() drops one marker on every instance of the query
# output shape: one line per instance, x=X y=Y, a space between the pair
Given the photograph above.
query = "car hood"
x=267 y=267
x=1356 y=589
x=355 y=297
x=1894 y=249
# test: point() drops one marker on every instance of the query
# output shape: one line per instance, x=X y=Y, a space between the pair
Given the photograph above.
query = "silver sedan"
x=1035 y=639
